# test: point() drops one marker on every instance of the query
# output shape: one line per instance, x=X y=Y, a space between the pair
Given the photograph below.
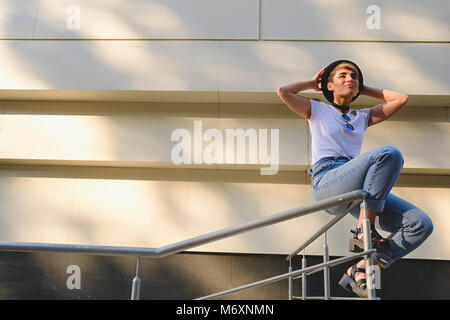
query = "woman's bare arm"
x=299 y=104
x=393 y=102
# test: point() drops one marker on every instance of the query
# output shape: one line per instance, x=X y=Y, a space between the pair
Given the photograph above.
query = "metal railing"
x=353 y=197
x=302 y=273
x=326 y=271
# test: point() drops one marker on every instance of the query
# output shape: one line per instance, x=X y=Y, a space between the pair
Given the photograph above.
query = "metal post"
x=136 y=287
x=371 y=294
x=290 y=280
x=304 y=277
x=326 y=270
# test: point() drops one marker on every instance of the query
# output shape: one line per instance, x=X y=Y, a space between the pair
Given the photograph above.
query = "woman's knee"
x=392 y=153
x=422 y=224
x=426 y=225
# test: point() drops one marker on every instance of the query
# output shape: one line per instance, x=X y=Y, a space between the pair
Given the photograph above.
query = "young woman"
x=338 y=167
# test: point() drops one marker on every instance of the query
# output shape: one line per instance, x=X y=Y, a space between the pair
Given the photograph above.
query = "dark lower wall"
x=192 y=275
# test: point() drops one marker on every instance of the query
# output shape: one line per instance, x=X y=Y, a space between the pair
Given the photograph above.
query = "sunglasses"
x=348 y=125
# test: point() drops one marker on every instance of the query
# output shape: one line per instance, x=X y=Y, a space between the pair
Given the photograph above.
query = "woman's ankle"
x=361 y=264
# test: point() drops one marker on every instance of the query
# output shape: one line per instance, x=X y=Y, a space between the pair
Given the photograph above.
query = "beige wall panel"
x=437 y=195
x=36 y=205
x=265 y=66
x=423 y=114
x=92 y=207
x=150 y=19
x=215 y=202
x=202 y=19
x=109 y=65
x=86 y=19
x=195 y=66
x=416 y=20
x=423 y=142
x=154 y=207
x=17 y=18
x=139 y=134
x=317 y=20
x=129 y=212
x=290 y=143
x=93 y=132
x=2 y=112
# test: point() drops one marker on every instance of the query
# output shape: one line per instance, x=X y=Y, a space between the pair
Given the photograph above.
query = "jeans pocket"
x=326 y=165
x=317 y=172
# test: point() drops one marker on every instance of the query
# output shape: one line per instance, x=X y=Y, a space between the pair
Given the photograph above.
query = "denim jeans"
x=375 y=172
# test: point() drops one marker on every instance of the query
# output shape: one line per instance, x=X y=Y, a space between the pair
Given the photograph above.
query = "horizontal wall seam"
x=225 y=39
x=251 y=168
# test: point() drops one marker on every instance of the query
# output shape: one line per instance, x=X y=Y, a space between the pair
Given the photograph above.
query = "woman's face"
x=345 y=83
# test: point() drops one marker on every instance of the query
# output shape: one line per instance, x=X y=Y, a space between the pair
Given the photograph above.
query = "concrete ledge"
x=167 y=165
x=193 y=97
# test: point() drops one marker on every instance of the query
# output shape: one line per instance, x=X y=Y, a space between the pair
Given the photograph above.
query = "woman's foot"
x=354 y=280
x=360 y=271
x=356 y=243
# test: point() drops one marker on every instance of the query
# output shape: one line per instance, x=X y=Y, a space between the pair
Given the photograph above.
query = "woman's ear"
x=330 y=86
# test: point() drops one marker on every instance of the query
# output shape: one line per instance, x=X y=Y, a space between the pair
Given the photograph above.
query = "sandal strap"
x=361 y=283
x=375 y=233
x=357 y=231
x=375 y=236
x=355 y=269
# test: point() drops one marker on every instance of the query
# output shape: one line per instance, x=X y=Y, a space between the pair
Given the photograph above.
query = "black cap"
x=324 y=79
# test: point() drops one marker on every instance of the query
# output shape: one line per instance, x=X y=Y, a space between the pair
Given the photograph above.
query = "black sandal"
x=378 y=242
x=349 y=283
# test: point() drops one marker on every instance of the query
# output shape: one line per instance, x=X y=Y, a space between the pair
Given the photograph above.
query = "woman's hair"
x=342 y=65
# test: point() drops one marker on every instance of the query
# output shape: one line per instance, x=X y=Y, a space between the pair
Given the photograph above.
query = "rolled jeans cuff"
x=373 y=204
x=384 y=260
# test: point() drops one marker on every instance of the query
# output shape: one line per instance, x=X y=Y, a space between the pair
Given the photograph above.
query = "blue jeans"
x=374 y=172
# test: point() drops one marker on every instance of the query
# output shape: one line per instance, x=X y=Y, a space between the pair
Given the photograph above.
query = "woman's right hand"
x=316 y=79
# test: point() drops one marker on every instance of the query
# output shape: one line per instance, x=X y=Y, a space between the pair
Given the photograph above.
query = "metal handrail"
x=185 y=244
x=325 y=228
x=306 y=270
x=287 y=275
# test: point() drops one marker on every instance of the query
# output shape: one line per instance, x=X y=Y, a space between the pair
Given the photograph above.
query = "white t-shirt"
x=330 y=137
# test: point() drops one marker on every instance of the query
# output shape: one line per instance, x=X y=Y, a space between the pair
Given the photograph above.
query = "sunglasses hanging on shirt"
x=348 y=125
x=346 y=117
